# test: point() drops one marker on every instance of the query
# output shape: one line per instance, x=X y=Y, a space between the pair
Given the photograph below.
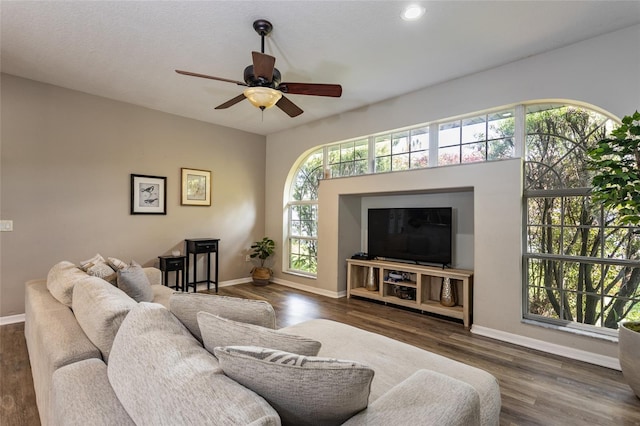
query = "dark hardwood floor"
x=537 y=388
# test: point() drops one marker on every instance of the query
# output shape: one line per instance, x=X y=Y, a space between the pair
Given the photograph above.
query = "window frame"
x=562 y=260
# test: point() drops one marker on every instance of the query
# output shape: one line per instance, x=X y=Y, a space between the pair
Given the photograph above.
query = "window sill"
x=606 y=334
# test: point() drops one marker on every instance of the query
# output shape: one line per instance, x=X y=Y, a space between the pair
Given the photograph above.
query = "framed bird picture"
x=196 y=187
x=148 y=194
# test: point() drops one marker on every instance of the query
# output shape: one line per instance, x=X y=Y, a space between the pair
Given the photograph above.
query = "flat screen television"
x=414 y=234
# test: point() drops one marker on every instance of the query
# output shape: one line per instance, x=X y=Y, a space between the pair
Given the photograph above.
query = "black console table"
x=177 y=264
x=201 y=246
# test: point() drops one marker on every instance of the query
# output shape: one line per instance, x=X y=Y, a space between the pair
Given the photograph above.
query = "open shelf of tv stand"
x=418 y=286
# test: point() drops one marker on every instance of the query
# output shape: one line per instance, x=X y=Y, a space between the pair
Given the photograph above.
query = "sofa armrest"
x=54 y=339
x=425 y=398
x=154 y=275
x=81 y=395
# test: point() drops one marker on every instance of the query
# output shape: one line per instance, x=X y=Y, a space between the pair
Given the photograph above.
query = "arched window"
x=581 y=264
x=302 y=235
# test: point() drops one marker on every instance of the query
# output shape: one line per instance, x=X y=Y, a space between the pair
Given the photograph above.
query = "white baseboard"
x=234 y=282
x=12 y=319
x=314 y=290
x=552 y=348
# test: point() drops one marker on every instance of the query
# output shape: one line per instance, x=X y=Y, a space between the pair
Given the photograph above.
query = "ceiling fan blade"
x=231 y=102
x=194 y=74
x=333 y=90
x=263 y=65
x=289 y=107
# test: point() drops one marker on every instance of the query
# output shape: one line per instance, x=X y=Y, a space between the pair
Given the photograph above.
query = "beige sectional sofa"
x=100 y=358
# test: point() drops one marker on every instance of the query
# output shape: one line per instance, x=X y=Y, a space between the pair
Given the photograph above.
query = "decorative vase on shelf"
x=447 y=293
x=372 y=282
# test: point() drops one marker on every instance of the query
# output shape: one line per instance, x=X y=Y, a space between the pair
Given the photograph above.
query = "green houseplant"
x=262 y=250
x=616 y=162
x=616 y=184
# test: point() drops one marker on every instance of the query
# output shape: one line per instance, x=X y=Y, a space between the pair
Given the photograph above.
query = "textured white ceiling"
x=128 y=50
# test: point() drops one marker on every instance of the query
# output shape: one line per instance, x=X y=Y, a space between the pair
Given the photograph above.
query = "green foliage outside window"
x=581 y=258
x=303 y=216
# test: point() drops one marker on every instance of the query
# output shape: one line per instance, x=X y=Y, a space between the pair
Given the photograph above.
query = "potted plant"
x=616 y=162
x=616 y=184
x=629 y=350
x=262 y=250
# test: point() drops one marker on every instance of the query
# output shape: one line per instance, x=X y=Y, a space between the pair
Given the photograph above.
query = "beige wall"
x=65 y=182
x=602 y=71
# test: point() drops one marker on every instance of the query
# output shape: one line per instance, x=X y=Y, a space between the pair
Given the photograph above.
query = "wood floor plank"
x=537 y=389
x=17 y=396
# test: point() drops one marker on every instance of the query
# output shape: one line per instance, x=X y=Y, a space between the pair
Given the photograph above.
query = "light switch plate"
x=6 y=225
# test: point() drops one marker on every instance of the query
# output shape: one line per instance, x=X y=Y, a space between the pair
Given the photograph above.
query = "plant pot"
x=629 y=347
x=261 y=275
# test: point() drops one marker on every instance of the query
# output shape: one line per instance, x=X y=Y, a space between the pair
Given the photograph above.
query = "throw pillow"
x=133 y=281
x=98 y=267
x=86 y=264
x=104 y=271
x=186 y=306
x=116 y=263
x=303 y=390
x=218 y=331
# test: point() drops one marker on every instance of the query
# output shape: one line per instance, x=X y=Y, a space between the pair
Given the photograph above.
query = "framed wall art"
x=196 y=187
x=148 y=194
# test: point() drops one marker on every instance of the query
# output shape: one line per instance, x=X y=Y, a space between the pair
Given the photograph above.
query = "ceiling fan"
x=263 y=81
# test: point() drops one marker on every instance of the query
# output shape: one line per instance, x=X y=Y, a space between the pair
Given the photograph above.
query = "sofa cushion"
x=303 y=390
x=133 y=281
x=161 y=294
x=163 y=376
x=100 y=308
x=218 y=331
x=61 y=279
x=186 y=306
x=426 y=398
x=382 y=354
x=81 y=395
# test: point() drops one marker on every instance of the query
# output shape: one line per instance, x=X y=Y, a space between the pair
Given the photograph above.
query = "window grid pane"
x=581 y=263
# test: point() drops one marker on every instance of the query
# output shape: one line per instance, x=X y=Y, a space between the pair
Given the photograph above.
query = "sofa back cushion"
x=162 y=375
x=61 y=279
x=186 y=306
x=100 y=308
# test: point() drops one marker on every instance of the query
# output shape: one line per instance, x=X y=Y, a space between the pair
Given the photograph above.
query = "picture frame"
x=148 y=194
x=196 y=187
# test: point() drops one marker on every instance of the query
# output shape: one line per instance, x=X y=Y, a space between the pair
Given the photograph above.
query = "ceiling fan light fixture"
x=413 y=12
x=262 y=97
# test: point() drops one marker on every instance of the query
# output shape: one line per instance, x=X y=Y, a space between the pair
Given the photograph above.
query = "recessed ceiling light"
x=413 y=12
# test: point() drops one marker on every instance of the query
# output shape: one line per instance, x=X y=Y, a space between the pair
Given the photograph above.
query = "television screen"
x=419 y=234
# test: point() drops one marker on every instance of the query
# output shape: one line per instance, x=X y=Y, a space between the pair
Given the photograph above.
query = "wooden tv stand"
x=418 y=289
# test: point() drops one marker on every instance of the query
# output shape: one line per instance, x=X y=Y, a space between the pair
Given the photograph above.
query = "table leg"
x=216 y=271
x=208 y=271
